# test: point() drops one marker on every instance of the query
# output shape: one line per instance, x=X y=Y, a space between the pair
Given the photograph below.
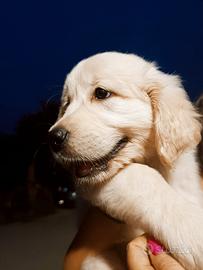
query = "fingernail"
x=154 y=247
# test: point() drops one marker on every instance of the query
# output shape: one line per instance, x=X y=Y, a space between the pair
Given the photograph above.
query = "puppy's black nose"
x=57 y=137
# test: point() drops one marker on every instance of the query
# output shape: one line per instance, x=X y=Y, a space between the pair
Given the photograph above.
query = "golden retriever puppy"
x=130 y=133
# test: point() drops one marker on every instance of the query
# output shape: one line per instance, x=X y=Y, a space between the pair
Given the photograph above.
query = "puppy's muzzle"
x=57 y=138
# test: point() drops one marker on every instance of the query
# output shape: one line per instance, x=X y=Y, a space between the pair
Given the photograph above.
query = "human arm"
x=96 y=234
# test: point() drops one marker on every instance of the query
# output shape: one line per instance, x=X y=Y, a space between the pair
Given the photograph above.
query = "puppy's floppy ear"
x=176 y=122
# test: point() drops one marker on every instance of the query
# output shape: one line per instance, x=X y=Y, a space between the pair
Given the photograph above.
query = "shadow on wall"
x=32 y=184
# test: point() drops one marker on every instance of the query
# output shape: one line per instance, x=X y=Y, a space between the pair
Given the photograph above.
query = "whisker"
x=38 y=149
x=43 y=124
x=51 y=97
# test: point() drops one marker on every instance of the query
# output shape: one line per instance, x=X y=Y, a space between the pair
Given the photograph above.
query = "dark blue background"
x=42 y=40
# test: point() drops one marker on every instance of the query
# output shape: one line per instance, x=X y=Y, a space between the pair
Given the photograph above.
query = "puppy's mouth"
x=87 y=168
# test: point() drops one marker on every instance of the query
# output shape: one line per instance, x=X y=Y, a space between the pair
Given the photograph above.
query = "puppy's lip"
x=85 y=168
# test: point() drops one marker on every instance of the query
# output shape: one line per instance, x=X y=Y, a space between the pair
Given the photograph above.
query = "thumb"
x=137 y=254
x=160 y=259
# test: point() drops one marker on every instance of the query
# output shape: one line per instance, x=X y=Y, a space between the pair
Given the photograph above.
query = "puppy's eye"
x=64 y=107
x=101 y=93
x=66 y=103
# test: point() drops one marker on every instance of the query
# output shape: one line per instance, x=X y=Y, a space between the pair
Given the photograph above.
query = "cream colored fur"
x=153 y=183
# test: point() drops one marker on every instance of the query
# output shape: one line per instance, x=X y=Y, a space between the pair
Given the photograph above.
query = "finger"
x=137 y=256
x=160 y=259
x=164 y=261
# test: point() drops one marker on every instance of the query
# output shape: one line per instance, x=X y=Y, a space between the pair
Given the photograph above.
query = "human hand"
x=143 y=254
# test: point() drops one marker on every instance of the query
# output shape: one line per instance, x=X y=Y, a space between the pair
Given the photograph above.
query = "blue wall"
x=42 y=40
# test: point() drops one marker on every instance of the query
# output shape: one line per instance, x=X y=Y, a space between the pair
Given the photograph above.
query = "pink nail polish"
x=154 y=247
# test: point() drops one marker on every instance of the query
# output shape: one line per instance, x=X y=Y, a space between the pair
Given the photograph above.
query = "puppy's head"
x=118 y=108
